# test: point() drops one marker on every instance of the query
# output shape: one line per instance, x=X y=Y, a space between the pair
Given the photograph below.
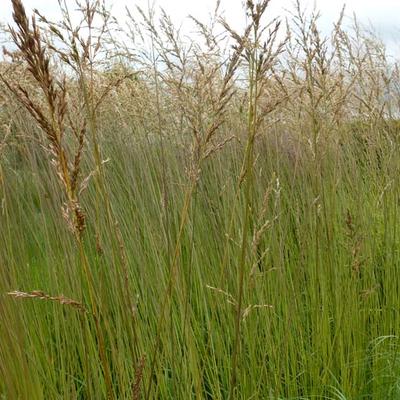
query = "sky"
x=384 y=15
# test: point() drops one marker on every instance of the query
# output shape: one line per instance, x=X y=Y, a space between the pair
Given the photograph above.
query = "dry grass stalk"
x=56 y=120
x=203 y=97
x=138 y=379
x=39 y=294
x=193 y=77
x=232 y=301
x=52 y=118
x=261 y=51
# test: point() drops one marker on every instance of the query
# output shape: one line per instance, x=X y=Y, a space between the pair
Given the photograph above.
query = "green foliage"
x=237 y=244
x=328 y=267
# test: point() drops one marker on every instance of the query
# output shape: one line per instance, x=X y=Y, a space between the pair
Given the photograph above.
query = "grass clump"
x=211 y=220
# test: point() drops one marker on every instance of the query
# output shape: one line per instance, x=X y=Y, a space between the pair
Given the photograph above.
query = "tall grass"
x=211 y=220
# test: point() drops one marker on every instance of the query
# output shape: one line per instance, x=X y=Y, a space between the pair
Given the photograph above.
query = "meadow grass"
x=182 y=227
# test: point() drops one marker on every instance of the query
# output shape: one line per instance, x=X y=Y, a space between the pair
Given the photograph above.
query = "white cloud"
x=383 y=14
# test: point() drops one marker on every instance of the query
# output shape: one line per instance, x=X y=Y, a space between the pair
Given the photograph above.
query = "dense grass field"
x=194 y=220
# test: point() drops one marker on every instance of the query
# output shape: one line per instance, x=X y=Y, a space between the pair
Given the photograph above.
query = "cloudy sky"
x=384 y=15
